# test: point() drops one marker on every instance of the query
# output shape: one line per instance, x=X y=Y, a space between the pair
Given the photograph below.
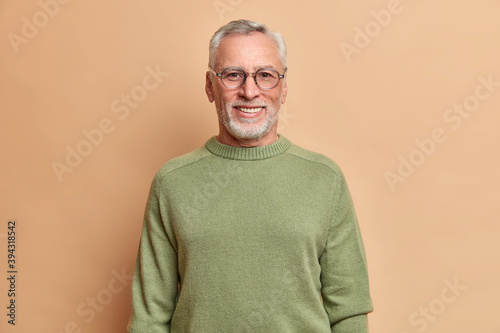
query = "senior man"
x=249 y=233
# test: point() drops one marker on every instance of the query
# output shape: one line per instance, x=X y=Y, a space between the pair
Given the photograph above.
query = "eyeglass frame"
x=280 y=76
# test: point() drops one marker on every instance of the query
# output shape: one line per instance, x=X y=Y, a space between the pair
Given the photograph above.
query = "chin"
x=249 y=132
x=246 y=135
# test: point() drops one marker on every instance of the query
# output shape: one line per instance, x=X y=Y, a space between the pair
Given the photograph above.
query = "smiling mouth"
x=250 y=110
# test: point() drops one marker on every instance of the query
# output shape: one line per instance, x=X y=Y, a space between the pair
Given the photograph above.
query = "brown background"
x=437 y=225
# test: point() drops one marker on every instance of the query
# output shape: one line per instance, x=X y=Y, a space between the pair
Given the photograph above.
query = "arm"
x=344 y=276
x=154 y=288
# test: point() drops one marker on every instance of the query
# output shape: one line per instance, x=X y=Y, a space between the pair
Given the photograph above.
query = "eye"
x=267 y=74
x=233 y=75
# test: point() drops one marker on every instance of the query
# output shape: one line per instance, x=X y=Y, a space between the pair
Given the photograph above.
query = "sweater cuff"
x=356 y=324
x=135 y=326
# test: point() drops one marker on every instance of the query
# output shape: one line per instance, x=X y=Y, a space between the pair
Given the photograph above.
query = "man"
x=249 y=233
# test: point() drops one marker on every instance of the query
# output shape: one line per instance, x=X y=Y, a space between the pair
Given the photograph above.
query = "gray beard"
x=243 y=128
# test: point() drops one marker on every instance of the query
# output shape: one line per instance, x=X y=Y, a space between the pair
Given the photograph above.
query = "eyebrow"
x=255 y=68
x=267 y=66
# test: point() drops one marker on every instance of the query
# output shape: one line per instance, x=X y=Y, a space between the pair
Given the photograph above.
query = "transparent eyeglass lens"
x=266 y=78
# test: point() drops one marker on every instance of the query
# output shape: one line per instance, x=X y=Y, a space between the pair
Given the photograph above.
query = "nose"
x=249 y=89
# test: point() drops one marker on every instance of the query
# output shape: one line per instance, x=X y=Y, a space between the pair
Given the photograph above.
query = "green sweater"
x=261 y=239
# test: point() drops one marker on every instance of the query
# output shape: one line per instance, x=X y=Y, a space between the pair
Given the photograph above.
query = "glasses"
x=234 y=77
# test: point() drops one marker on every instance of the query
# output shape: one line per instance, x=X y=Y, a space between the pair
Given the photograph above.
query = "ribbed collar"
x=248 y=153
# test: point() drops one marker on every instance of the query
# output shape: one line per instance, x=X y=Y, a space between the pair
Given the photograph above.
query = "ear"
x=283 y=95
x=209 y=87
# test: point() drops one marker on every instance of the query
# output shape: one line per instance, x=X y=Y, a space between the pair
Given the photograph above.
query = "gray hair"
x=245 y=27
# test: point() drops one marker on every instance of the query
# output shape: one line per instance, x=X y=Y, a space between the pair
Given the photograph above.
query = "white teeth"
x=252 y=110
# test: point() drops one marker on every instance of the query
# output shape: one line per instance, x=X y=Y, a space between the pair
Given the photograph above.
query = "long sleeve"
x=154 y=288
x=344 y=276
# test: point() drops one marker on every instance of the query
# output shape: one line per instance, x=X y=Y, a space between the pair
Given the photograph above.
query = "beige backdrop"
x=96 y=95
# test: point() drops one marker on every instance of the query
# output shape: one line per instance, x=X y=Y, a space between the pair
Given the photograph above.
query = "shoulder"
x=178 y=163
x=315 y=159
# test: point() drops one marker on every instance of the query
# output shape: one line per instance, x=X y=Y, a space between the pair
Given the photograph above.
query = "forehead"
x=247 y=51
